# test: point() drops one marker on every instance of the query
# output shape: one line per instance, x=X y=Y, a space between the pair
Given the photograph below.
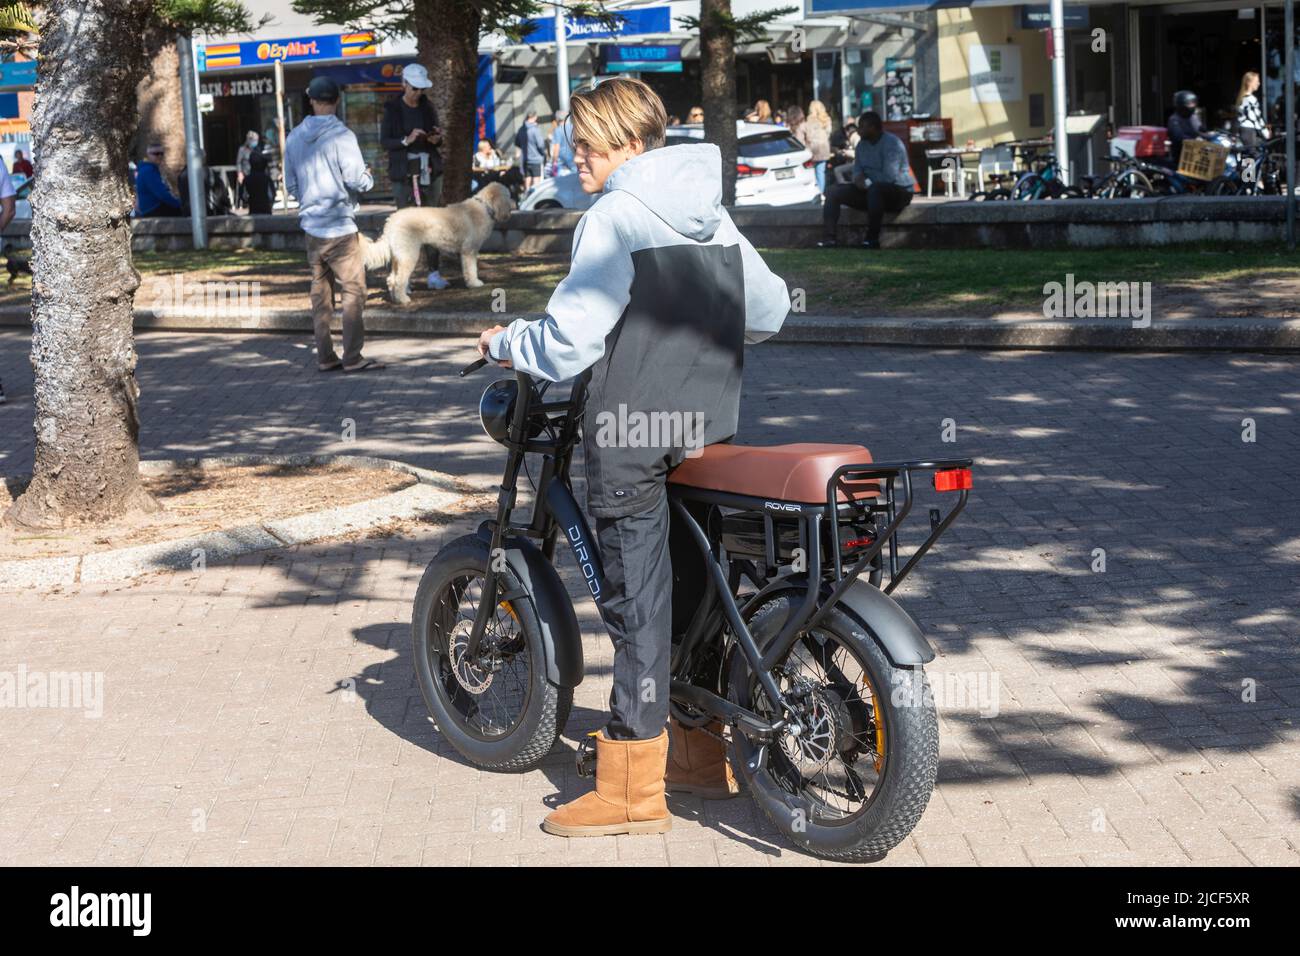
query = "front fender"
x=887 y=623
x=561 y=636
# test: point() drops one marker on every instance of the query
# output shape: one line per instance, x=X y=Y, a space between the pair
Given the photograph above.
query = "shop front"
x=1124 y=62
x=1206 y=48
x=240 y=78
x=849 y=64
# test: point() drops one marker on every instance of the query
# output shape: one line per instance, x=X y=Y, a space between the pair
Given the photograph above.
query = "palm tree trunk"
x=446 y=38
x=718 y=78
x=87 y=459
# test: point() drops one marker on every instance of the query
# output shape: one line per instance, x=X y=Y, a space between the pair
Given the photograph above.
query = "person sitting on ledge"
x=882 y=182
x=152 y=196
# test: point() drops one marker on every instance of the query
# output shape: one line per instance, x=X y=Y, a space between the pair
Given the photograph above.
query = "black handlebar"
x=473 y=367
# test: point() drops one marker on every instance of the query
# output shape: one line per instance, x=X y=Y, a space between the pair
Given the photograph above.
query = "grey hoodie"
x=324 y=169
x=662 y=294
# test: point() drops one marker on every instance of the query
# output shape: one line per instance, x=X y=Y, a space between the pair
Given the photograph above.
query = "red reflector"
x=858 y=542
x=956 y=479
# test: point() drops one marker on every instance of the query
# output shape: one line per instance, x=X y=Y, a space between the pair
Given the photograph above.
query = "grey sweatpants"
x=637 y=608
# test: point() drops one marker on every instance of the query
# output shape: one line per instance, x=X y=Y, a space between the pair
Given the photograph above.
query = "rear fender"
x=886 y=622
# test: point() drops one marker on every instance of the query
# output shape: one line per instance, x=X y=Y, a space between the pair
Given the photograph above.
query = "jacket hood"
x=315 y=128
x=682 y=185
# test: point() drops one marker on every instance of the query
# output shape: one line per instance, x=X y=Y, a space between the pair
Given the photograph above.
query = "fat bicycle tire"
x=911 y=744
x=548 y=705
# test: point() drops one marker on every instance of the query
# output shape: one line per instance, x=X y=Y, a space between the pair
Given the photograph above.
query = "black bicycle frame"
x=555 y=509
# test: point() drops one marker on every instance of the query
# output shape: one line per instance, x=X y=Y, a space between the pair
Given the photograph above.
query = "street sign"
x=17 y=76
x=631 y=58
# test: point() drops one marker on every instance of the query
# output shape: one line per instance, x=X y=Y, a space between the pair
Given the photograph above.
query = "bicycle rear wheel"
x=854 y=782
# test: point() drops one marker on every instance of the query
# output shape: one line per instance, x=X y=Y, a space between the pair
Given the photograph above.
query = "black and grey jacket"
x=661 y=297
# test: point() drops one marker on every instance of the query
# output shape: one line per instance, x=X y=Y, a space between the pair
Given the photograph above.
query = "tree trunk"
x=718 y=78
x=446 y=38
x=87 y=460
x=162 y=118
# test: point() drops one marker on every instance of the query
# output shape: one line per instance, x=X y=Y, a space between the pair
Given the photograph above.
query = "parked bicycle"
x=1040 y=180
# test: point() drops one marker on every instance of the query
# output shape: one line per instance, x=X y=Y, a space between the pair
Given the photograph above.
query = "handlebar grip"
x=473 y=367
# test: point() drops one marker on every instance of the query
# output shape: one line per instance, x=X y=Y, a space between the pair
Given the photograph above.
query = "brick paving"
x=265 y=712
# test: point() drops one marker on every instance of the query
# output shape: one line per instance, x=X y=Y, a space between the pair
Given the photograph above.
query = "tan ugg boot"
x=697 y=763
x=629 y=794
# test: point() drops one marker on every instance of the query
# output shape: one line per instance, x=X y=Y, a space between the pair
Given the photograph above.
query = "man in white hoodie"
x=324 y=169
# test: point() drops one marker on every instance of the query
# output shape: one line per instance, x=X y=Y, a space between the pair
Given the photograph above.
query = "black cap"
x=324 y=89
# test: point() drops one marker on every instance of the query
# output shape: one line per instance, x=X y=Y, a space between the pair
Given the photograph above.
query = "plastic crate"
x=1201 y=159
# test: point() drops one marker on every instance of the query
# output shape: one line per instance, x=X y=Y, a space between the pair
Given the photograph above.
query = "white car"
x=772 y=169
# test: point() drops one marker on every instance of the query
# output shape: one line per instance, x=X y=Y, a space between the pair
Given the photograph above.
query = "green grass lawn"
x=980 y=281
x=218 y=260
x=931 y=282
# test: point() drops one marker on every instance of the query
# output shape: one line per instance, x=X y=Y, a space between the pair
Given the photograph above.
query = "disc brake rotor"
x=816 y=745
x=471 y=675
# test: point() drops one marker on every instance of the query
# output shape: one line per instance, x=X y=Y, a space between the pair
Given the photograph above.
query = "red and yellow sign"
x=335 y=46
x=359 y=44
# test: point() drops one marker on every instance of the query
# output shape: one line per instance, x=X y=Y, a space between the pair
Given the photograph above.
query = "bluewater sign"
x=639 y=20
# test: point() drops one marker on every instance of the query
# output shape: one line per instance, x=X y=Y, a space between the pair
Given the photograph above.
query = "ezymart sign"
x=337 y=46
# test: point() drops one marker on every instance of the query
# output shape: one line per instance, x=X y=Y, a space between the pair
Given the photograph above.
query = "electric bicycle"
x=784 y=630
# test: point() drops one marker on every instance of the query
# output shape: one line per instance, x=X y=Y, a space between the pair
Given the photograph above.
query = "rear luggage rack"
x=950 y=474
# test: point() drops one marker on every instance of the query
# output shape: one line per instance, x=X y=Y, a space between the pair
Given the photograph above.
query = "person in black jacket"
x=411 y=135
x=1183 y=124
x=258 y=184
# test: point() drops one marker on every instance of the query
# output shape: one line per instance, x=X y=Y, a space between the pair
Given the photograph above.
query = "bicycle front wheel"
x=498 y=709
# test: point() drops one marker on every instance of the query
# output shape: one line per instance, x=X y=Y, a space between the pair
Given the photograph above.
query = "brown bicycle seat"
x=797 y=472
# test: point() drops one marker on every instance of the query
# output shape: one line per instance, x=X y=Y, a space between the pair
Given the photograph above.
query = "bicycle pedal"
x=585 y=758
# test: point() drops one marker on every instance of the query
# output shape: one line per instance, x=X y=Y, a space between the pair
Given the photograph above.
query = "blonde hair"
x=817 y=113
x=617 y=112
x=1244 y=91
x=762 y=110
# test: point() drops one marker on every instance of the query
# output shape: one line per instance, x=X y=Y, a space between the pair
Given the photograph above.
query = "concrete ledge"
x=1002 y=332
x=1062 y=223
x=1027 y=332
x=432 y=492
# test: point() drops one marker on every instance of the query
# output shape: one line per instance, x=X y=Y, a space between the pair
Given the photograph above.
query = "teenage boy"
x=662 y=294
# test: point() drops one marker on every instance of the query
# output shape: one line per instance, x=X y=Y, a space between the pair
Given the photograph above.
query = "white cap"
x=417 y=76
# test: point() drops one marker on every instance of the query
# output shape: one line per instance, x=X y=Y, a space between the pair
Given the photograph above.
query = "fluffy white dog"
x=459 y=229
